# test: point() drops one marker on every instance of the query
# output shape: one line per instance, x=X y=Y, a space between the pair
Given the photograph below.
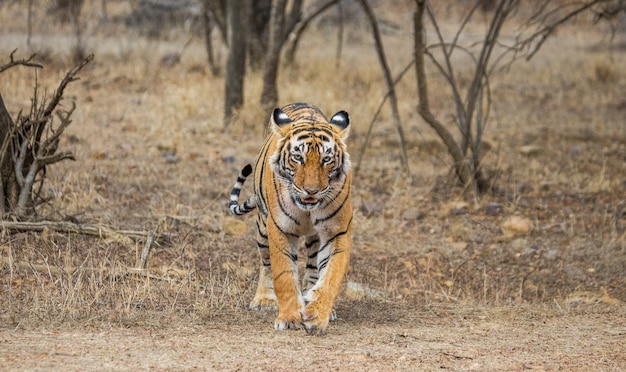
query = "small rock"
x=530 y=150
x=456 y=208
x=575 y=151
x=170 y=157
x=459 y=245
x=412 y=214
x=552 y=254
x=494 y=209
x=170 y=59
x=525 y=187
x=516 y=225
x=228 y=159
x=234 y=227
x=355 y=291
x=530 y=250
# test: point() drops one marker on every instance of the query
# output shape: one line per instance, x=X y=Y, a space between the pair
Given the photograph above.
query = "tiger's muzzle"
x=309 y=198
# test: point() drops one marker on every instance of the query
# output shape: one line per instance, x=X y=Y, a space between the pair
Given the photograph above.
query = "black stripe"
x=281 y=274
x=312 y=129
x=281 y=230
x=335 y=237
x=247 y=205
x=334 y=212
x=311 y=266
x=292 y=256
x=258 y=229
x=324 y=262
x=260 y=192
x=246 y=170
x=281 y=205
x=310 y=244
x=303 y=137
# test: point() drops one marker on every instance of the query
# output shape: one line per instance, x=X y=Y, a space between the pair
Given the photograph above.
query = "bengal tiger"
x=302 y=186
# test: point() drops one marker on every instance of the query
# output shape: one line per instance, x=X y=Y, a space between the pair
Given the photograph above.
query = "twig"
x=69 y=77
x=85 y=229
x=143 y=261
x=23 y=62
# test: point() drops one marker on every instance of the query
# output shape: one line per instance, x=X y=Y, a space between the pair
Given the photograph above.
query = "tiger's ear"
x=279 y=121
x=342 y=121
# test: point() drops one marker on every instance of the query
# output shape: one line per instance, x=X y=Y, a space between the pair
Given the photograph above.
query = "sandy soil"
x=394 y=338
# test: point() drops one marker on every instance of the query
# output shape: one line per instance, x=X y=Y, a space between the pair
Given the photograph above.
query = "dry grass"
x=410 y=242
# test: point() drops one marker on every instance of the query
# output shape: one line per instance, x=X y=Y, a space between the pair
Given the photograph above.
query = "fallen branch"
x=162 y=273
x=85 y=229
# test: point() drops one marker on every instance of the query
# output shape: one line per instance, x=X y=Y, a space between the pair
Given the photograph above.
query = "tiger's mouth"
x=308 y=202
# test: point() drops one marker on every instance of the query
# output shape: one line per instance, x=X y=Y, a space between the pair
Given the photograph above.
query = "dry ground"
x=434 y=282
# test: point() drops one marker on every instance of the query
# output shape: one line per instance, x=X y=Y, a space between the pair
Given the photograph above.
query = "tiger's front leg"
x=283 y=258
x=333 y=262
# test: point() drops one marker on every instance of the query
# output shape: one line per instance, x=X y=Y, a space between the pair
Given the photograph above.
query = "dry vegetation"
x=435 y=281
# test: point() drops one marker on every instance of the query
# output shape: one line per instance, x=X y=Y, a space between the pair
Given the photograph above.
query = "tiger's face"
x=311 y=158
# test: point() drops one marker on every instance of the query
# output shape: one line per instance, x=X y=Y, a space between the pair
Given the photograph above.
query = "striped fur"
x=248 y=205
x=302 y=185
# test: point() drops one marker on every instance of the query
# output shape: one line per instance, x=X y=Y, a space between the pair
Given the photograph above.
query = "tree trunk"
x=258 y=33
x=269 y=96
x=236 y=62
x=208 y=41
x=8 y=189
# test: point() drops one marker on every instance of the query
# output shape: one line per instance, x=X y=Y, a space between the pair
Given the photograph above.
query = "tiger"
x=302 y=188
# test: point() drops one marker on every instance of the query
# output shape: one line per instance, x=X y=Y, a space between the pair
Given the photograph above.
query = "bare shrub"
x=29 y=145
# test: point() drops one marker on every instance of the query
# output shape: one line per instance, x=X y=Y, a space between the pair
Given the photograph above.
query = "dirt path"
x=469 y=339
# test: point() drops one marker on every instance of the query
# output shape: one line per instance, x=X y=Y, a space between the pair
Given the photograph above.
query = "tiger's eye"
x=327 y=159
x=297 y=158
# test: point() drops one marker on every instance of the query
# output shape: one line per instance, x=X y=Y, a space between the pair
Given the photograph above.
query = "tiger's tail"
x=249 y=204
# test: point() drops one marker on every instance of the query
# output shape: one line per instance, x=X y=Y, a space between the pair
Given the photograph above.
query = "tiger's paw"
x=315 y=321
x=264 y=303
x=282 y=323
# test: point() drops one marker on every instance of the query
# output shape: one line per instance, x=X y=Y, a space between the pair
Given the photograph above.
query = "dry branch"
x=301 y=26
x=462 y=165
x=160 y=273
x=152 y=236
x=21 y=62
x=85 y=229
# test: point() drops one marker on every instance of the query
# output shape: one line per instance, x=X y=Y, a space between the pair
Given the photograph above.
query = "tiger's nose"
x=311 y=190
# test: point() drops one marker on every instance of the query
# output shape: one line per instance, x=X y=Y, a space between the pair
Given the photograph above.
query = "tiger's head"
x=311 y=159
